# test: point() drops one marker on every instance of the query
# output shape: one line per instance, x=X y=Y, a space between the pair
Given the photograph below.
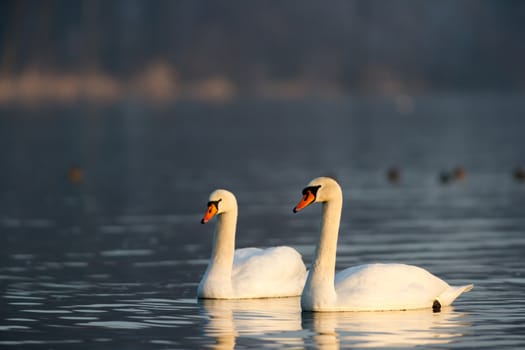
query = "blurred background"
x=163 y=51
x=145 y=106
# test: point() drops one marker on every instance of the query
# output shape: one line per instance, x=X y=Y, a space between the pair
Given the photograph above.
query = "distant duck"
x=393 y=175
x=75 y=175
x=519 y=174
x=445 y=177
x=459 y=174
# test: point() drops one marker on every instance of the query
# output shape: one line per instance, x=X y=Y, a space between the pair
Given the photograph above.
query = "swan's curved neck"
x=325 y=255
x=320 y=284
x=217 y=282
x=224 y=243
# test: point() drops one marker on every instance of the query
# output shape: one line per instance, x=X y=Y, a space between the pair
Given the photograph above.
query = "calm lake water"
x=112 y=258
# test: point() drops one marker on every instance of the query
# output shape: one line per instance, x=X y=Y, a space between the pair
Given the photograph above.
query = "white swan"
x=247 y=272
x=371 y=287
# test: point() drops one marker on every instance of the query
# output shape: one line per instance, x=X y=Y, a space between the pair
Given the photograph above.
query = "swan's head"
x=321 y=189
x=220 y=201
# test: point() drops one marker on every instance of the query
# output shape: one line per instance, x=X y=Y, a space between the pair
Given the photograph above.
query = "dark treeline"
x=419 y=45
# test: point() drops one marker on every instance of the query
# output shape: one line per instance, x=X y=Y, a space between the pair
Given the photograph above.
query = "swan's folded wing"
x=387 y=287
x=276 y=271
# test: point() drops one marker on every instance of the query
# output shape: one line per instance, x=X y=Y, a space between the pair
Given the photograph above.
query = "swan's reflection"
x=384 y=329
x=275 y=320
x=279 y=321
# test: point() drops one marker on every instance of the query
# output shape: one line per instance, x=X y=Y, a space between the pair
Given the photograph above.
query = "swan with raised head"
x=247 y=272
x=370 y=287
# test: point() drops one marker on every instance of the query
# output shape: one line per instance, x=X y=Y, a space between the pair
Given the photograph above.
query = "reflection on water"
x=384 y=329
x=225 y=324
x=280 y=321
x=272 y=320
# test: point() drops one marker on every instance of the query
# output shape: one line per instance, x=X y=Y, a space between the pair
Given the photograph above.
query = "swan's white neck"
x=219 y=271
x=319 y=289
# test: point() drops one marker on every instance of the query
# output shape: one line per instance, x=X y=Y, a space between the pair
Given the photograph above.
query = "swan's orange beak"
x=308 y=198
x=210 y=212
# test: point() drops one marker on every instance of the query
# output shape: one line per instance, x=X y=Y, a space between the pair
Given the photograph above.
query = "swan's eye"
x=311 y=189
x=212 y=204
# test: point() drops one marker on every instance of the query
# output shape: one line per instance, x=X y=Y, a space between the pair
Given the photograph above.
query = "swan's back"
x=392 y=287
x=271 y=272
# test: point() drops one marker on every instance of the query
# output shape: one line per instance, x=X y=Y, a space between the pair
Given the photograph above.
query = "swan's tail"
x=447 y=297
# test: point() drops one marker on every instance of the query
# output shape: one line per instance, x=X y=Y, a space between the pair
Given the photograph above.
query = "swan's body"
x=247 y=272
x=371 y=287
